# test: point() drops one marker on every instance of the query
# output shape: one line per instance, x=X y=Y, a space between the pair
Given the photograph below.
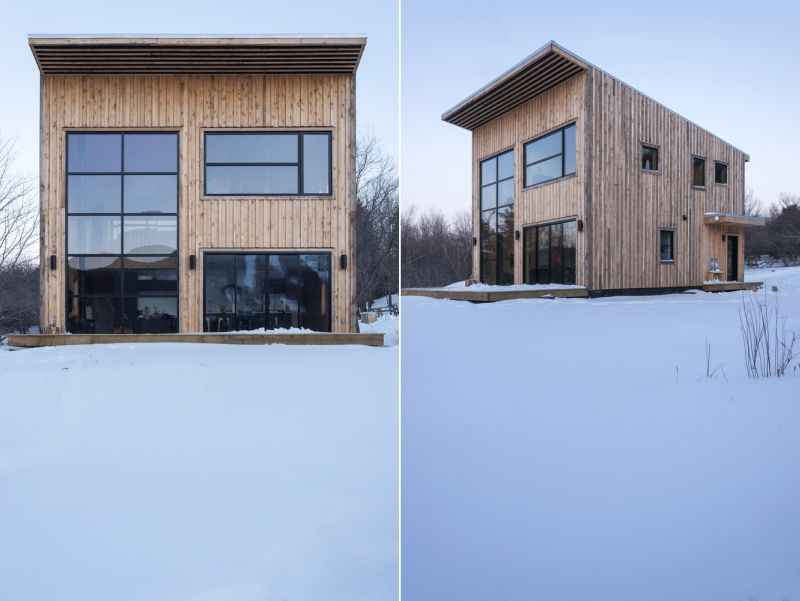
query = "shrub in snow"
x=768 y=344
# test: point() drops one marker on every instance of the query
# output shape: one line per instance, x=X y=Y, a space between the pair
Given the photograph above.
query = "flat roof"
x=545 y=68
x=65 y=54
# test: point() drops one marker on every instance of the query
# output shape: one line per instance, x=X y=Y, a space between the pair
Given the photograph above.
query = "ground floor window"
x=666 y=246
x=122 y=295
x=550 y=253
x=248 y=291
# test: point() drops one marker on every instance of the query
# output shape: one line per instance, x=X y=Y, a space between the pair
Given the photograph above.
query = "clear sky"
x=377 y=95
x=731 y=67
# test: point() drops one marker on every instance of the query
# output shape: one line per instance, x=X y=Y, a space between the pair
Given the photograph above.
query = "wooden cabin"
x=580 y=179
x=197 y=183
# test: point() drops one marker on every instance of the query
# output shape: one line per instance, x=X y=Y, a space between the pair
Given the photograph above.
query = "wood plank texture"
x=190 y=105
x=622 y=207
x=317 y=338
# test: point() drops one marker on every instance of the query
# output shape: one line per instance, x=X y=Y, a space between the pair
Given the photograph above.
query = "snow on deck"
x=198 y=472
x=575 y=450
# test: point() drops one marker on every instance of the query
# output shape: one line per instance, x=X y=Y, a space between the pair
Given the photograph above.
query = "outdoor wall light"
x=192 y=261
x=685 y=218
x=580 y=225
x=516 y=234
x=343 y=261
x=474 y=241
x=52 y=262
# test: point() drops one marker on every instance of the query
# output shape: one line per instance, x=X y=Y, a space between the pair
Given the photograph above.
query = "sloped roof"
x=148 y=54
x=546 y=68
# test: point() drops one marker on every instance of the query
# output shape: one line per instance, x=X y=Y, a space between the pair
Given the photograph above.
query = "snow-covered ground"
x=388 y=325
x=190 y=472
x=574 y=449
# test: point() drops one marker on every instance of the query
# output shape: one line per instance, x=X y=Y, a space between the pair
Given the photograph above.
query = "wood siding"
x=545 y=202
x=629 y=206
x=191 y=104
x=623 y=207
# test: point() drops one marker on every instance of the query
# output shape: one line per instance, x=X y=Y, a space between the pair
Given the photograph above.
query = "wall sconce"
x=580 y=225
x=343 y=261
x=723 y=237
x=516 y=234
x=474 y=241
x=685 y=218
x=53 y=262
x=192 y=261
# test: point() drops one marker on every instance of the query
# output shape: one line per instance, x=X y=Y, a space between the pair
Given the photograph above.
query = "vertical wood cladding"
x=191 y=104
x=622 y=206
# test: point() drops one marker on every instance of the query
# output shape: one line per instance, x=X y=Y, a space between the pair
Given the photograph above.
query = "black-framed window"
x=550 y=253
x=248 y=291
x=721 y=173
x=122 y=232
x=268 y=163
x=497 y=219
x=550 y=156
x=666 y=246
x=649 y=158
x=698 y=172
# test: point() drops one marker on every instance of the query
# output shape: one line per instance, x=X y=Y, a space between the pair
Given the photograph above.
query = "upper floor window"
x=698 y=172
x=720 y=173
x=649 y=158
x=267 y=163
x=551 y=156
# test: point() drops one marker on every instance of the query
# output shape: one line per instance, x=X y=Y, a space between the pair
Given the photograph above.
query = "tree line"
x=780 y=238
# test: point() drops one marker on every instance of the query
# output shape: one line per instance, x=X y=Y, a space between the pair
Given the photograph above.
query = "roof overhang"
x=542 y=70
x=149 y=54
x=733 y=219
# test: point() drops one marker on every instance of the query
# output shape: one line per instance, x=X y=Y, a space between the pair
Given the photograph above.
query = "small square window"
x=698 y=172
x=666 y=247
x=720 y=173
x=649 y=158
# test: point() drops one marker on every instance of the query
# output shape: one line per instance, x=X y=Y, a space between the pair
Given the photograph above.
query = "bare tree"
x=752 y=204
x=19 y=226
x=436 y=250
x=19 y=229
x=377 y=223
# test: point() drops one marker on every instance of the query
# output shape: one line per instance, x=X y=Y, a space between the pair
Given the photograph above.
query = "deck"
x=489 y=296
x=731 y=286
x=316 y=338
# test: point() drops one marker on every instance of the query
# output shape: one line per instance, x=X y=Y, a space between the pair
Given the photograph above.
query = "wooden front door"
x=733 y=258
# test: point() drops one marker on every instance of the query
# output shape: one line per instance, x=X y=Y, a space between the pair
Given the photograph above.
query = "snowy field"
x=198 y=472
x=574 y=449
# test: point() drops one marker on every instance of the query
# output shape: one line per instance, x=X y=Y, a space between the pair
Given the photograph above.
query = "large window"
x=551 y=156
x=258 y=290
x=122 y=232
x=497 y=219
x=267 y=163
x=550 y=253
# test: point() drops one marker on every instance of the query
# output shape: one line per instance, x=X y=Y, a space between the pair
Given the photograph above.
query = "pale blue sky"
x=377 y=96
x=733 y=68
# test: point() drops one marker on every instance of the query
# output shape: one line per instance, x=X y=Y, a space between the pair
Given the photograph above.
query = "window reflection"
x=281 y=290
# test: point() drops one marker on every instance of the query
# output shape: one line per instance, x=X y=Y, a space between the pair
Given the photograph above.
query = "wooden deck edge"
x=322 y=338
x=732 y=286
x=494 y=296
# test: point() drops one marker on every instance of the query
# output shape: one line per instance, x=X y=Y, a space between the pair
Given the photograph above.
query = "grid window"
x=550 y=157
x=267 y=164
x=497 y=219
x=122 y=232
